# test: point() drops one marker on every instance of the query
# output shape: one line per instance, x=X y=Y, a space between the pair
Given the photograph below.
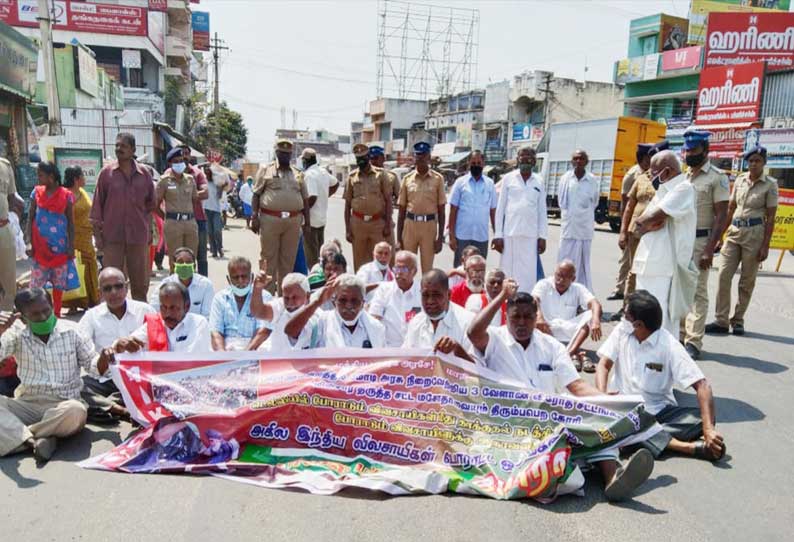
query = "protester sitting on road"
x=441 y=325
x=199 y=286
x=377 y=271
x=294 y=295
x=458 y=275
x=232 y=323
x=493 y=285
x=474 y=283
x=49 y=354
x=521 y=352
x=112 y=319
x=650 y=361
x=316 y=274
x=347 y=324
x=396 y=303
x=561 y=312
x=173 y=329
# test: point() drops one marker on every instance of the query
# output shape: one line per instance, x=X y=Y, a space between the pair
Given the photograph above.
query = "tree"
x=224 y=132
x=194 y=106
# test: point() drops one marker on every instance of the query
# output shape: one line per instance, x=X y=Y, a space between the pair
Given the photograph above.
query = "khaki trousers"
x=695 y=322
x=178 y=234
x=36 y=416
x=421 y=237
x=8 y=268
x=624 y=266
x=365 y=236
x=631 y=280
x=278 y=244
x=134 y=261
x=741 y=246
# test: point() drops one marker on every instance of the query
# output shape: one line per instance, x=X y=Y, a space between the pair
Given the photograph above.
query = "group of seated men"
x=483 y=319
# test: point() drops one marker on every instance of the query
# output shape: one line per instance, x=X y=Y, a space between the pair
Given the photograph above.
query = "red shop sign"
x=681 y=59
x=730 y=94
x=742 y=38
x=78 y=16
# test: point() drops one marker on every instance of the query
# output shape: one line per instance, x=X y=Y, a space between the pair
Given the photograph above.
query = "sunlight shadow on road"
x=729 y=410
x=80 y=446
x=767 y=337
x=10 y=467
x=744 y=362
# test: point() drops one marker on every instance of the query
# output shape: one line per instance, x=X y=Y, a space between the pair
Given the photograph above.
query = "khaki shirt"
x=422 y=195
x=752 y=200
x=7 y=186
x=178 y=194
x=394 y=183
x=711 y=186
x=629 y=178
x=280 y=190
x=642 y=191
x=367 y=192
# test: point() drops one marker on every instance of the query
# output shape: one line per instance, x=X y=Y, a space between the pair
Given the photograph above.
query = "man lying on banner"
x=494 y=280
x=395 y=303
x=232 y=321
x=173 y=329
x=49 y=353
x=521 y=352
x=559 y=301
x=295 y=291
x=347 y=324
x=650 y=361
x=114 y=318
x=442 y=324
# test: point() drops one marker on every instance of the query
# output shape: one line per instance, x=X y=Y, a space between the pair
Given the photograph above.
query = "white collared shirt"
x=562 y=306
x=278 y=340
x=396 y=309
x=654 y=256
x=521 y=209
x=578 y=200
x=358 y=338
x=477 y=302
x=650 y=368
x=455 y=324
x=545 y=364
x=370 y=274
x=103 y=328
x=318 y=182
x=192 y=334
x=201 y=293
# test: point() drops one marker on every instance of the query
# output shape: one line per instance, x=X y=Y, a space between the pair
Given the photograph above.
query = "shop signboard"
x=681 y=59
x=726 y=141
x=17 y=63
x=522 y=131
x=158 y=5
x=730 y=94
x=79 y=17
x=779 y=144
x=742 y=38
x=701 y=11
x=89 y=160
x=87 y=79
x=201 y=30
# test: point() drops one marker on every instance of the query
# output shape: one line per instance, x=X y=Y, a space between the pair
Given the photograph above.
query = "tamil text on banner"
x=783 y=234
x=201 y=30
x=397 y=421
x=89 y=160
x=730 y=94
x=78 y=16
x=701 y=11
x=742 y=38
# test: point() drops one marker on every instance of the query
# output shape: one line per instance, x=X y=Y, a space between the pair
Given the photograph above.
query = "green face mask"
x=45 y=327
x=183 y=270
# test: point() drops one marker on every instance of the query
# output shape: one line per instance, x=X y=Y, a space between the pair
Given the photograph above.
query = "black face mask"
x=476 y=171
x=362 y=162
x=694 y=160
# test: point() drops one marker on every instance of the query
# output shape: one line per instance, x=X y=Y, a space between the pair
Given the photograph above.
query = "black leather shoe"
x=617 y=316
x=617 y=294
x=738 y=329
x=693 y=351
x=715 y=329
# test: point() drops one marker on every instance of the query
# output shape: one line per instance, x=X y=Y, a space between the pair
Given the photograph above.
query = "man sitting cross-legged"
x=294 y=295
x=396 y=303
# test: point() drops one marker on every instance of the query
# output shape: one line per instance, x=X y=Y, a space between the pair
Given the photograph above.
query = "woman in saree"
x=74 y=180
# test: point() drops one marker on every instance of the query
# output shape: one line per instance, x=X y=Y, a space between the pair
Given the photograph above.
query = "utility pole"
x=53 y=104
x=216 y=45
x=547 y=92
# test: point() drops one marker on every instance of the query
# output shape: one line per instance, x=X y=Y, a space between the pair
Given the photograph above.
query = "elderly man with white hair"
x=346 y=325
x=377 y=271
x=294 y=295
x=396 y=303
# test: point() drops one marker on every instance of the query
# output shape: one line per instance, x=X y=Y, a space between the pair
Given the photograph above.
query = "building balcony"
x=145 y=100
x=663 y=65
x=178 y=46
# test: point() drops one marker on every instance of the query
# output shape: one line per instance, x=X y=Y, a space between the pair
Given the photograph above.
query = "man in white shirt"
x=521 y=222
x=346 y=325
x=294 y=295
x=320 y=185
x=442 y=324
x=521 y=352
x=569 y=312
x=578 y=197
x=494 y=280
x=377 y=271
x=649 y=361
x=246 y=194
x=173 y=329
x=114 y=318
x=200 y=287
x=217 y=181
x=396 y=303
x=667 y=242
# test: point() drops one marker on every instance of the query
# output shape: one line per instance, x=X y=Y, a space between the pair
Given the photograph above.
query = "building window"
x=476 y=101
x=649 y=45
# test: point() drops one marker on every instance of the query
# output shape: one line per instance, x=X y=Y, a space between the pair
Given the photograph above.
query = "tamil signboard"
x=89 y=160
x=741 y=38
x=727 y=140
x=779 y=144
x=687 y=58
x=522 y=131
x=201 y=30
x=18 y=58
x=702 y=11
x=158 y=5
x=86 y=78
x=730 y=94
x=78 y=16
x=783 y=234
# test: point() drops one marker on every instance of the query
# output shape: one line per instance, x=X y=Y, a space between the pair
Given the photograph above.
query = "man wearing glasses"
x=395 y=303
x=114 y=318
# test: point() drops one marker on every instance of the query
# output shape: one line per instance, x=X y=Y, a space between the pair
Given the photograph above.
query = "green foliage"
x=224 y=132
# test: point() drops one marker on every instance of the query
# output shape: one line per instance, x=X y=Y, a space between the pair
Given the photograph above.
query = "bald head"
x=111 y=272
x=113 y=288
x=564 y=275
x=567 y=266
x=665 y=160
x=436 y=277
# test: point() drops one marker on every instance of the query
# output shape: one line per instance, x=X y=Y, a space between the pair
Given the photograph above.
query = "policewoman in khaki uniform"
x=712 y=192
x=752 y=208
x=420 y=224
x=377 y=157
x=178 y=190
x=368 y=207
x=280 y=198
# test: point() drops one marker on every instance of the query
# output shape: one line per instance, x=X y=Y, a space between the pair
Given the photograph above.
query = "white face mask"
x=179 y=167
x=381 y=266
x=351 y=323
x=437 y=317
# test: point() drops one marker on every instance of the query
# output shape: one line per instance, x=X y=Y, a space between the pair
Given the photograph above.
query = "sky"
x=319 y=58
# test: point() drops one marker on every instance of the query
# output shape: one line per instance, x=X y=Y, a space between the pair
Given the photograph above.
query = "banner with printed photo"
x=397 y=421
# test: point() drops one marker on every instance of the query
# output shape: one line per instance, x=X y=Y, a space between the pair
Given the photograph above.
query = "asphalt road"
x=750 y=496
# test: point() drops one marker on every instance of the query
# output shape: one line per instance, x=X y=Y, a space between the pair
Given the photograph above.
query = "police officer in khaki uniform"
x=422 y=201
x=712 y=192
x=752 y=208
x=8 y=256
x=368 y=207
x=377 y=157
x=178 y=189
x=280 y=198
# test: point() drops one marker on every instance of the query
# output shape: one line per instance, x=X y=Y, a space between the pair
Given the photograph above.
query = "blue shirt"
x=474 y=200
x=231 y=323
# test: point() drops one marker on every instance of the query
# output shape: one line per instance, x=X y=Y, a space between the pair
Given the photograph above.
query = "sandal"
x=577 y=362
x=587 y=364
x=703 y=452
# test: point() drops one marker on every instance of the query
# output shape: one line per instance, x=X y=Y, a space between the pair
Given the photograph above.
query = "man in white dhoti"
x=578 y=198
x=667 y=229
x=521 y=222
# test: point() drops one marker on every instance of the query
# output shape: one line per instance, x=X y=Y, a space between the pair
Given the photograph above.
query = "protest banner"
x=398 y=421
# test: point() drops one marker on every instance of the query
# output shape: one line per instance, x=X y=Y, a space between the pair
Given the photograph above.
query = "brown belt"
x=281 y=214
x=367 y=218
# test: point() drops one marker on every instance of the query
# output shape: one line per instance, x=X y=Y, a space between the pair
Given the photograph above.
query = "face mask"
x=184 y=270
x=525 y=169
x=694 y=160
x=381 y=266
x=249 y=182
x=475 y=171
x=179 y=167
x=240 y=292
x=351 y=323
x=438 y=317
x=362 y=162
x=45 y=327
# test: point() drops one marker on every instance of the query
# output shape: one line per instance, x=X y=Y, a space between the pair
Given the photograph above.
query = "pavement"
x=750 y=495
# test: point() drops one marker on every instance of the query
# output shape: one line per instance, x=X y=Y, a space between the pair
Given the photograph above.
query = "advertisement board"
x=700 y=10
x=158 y=5
x=681 y=59
x=741 y=38
x=779 y=144
x=783 y=234
x=86 y=73
x=17 y=63
x=726 y=141
x=201 y=30
x=89 y=160
x=78 y=17
x=156 y=30
x=522 y=131
x=730 y=94
x=674 y=33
